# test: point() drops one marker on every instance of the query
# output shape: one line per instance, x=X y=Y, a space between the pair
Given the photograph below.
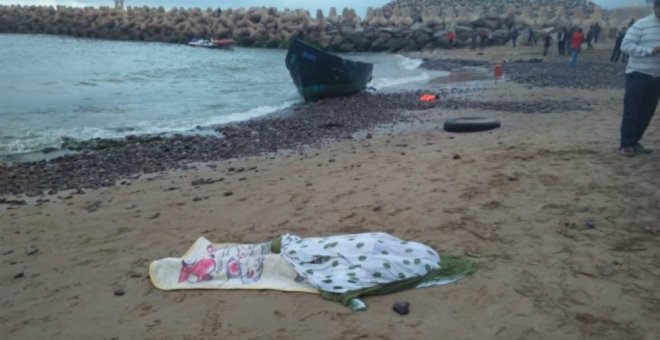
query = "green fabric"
x=453 y=267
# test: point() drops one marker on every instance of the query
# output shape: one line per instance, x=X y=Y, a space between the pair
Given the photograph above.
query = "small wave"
x=250 y=114
x=379 y=83
x=88 y=109
x=123 y=129
x=85 y=83
x=215 y=106
x=409 y=63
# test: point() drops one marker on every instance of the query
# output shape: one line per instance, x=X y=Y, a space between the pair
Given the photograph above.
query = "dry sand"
x=565 y=232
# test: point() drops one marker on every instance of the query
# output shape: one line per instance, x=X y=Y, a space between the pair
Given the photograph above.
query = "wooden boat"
x=318 y=74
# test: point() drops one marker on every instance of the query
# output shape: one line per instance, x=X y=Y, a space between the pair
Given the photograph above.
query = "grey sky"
x=360 y=6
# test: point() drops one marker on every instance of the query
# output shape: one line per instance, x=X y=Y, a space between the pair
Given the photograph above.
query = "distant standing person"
x=577 y=38
x=590 y=37
x=597 y=30
x=642 y=43
x=514 y=36
x=451 y=36
x=482 y=39
x=531 y=40
x=560 y=42
x=567 y=40
x=547 y=41
x=616 y=52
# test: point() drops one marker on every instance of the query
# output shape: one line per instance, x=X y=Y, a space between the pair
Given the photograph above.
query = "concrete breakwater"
x=399 y=26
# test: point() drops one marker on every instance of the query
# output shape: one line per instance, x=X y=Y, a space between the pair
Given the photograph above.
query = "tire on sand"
x=470 y=124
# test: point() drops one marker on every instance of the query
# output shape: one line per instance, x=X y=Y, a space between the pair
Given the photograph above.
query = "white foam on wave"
x=37 y=140
x=385 y=82
x=241 y=116
x=409 y=63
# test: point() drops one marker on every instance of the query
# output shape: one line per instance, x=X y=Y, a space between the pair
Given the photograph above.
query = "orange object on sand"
x=427 y=97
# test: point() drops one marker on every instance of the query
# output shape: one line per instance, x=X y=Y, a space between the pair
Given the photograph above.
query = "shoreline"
x=299 y=125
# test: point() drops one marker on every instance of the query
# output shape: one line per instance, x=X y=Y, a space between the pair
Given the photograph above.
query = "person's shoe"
x=627 y=151
x=639 y=148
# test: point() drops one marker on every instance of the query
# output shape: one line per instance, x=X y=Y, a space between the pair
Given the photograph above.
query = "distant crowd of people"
x=570 y=41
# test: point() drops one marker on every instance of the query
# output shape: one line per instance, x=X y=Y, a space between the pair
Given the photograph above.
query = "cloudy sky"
x=360 y=6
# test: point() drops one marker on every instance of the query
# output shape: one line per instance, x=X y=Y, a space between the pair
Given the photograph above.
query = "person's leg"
x=648 y=106
x=633 y=102
x=573 y=60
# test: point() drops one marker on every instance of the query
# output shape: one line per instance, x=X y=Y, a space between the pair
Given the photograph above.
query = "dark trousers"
x=560 y=47
x=616 y=53
x=639 y=104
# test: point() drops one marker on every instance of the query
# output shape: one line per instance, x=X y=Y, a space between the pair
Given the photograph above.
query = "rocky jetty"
x=402 y=25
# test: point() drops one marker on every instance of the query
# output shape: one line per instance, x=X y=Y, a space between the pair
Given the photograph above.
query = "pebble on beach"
x=402 y=308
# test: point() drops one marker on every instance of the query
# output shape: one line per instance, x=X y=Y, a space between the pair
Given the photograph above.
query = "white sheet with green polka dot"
x=349 y=262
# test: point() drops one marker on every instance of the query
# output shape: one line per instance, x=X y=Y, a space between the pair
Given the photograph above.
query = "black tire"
x=470 y=124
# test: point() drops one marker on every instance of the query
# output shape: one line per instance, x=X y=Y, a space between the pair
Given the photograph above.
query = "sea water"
x=54 y=87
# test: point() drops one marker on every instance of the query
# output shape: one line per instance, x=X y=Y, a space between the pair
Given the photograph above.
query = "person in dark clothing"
x=597 y=30
x=590 y=38
x=482 y=39
x=560 y=42
x=531 y=40
x=473 y=41
x=624 y=57
x=616 y=52
x=547 y=41
x=567 y=40
x=514 y=36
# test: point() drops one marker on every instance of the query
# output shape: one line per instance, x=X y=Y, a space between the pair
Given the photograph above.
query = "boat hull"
x=318 y=74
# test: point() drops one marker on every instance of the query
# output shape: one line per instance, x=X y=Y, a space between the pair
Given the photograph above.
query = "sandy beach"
x=564 y=231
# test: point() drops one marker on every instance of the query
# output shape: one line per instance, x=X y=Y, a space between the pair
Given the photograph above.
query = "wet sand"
x=565 y=232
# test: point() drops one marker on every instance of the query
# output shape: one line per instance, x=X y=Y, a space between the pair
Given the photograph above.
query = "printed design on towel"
x=244 y=262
